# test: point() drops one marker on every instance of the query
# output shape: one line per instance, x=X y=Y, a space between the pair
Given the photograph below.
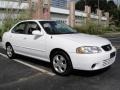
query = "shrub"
x=91 y=28
x=118 y=29
x=9 y=21
x=6 y=25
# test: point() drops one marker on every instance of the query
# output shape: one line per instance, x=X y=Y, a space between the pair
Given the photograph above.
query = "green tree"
x=111 y=5
x=80 y=5
x=115 y=13
x=10 y=20
x=104 y=5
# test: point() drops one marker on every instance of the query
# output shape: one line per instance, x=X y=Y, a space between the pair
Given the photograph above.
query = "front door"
x=34 y=45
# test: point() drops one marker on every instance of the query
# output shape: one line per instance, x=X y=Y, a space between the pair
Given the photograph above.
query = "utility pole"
x=118 y=4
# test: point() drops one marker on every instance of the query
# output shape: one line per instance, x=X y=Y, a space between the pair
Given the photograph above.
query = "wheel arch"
x=57 y=50
x=69 y=62
x=7 y=43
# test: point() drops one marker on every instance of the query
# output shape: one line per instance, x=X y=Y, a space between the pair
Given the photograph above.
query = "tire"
x=10 y=52
x=61 y=63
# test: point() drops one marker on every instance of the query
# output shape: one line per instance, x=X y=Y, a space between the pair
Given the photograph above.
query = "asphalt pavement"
x=26 y=73
x=0 y=44
x=115 y=42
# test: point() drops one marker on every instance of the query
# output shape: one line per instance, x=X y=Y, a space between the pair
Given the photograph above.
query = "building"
x=58 y=14
x=59 y=3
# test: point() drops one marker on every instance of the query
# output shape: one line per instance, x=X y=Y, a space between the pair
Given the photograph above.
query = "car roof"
x=36 y=20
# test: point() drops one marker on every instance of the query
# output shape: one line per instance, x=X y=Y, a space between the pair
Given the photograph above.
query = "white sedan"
x=60 y=45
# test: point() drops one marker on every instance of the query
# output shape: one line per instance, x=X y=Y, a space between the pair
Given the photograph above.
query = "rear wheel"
x=61 y=63
x=10 y=51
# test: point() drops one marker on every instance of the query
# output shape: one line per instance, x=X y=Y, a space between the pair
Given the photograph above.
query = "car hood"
x=85 y=39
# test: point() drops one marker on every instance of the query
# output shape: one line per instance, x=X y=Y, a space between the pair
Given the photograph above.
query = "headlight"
x=88 y=50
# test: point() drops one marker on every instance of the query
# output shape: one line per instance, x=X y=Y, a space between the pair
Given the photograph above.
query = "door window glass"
x=19 y=29
x=31 y=26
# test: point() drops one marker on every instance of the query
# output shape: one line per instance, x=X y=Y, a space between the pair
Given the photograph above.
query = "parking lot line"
x=31 y=66
x=3 y=55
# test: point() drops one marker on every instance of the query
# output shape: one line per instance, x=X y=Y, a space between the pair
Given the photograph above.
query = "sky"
x=117 y=1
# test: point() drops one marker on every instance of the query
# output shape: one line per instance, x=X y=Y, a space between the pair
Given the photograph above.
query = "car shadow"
x=48 y=66
x=90 y=73
x=33 y=61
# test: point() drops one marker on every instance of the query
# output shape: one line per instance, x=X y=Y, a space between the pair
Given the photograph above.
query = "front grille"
x=107 y=47
x=112 y=54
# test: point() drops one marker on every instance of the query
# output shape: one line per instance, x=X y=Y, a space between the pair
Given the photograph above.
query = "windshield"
x=53 y=27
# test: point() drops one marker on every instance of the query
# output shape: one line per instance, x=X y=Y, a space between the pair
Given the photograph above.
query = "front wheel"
x=10 y=51
x=61 y=63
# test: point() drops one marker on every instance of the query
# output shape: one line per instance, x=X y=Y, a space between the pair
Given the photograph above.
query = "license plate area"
x=112 y=54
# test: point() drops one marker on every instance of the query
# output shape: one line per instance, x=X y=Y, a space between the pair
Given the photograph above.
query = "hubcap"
x=59 y=63
x=9 y=51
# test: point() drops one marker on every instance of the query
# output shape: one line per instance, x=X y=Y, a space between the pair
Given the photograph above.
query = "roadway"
x=25 y=73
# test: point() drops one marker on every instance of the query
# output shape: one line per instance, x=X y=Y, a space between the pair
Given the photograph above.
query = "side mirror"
x=37 y=32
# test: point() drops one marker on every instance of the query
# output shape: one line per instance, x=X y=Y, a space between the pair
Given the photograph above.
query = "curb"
x=110 y=35
x=117 y=47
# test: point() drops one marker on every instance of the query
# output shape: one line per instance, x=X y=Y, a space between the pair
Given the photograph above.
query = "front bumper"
x=92 y=61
